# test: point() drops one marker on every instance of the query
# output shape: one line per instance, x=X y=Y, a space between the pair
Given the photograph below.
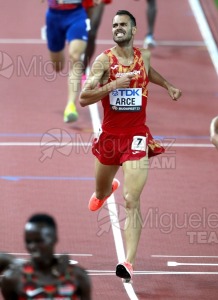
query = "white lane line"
x=109 y=272
x=109 y=42
x=42 y=144
x=70 y=254
x=48 y=144
x=192 y=145
x=176 y=264
x=113 y=211
x=96 y=124
x=157 y=273
x=181 y=43
x=116 y=228
x=183 y=256
x=93 y=273
x=22 y=41
x=205 y=31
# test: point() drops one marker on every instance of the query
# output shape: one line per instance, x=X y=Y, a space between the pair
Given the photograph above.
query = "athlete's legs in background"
x=151 y=13
x=151 y=16
x=95 y=14
x=58 y=60
x=76 y=49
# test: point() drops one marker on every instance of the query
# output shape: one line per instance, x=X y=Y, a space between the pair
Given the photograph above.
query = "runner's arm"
x=92 y=92
x=158 y=79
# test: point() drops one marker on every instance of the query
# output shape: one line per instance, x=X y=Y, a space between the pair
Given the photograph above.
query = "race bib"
x=129 y=99
x=139 y=143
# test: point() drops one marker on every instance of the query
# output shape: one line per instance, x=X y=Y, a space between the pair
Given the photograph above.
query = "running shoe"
x=125 y=271
x=149 y=42
x=95 y=203
x=70 y=113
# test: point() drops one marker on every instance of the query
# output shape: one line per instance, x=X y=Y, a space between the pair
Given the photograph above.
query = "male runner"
x=123 y=73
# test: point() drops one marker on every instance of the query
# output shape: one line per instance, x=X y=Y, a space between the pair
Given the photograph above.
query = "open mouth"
x=120 y=34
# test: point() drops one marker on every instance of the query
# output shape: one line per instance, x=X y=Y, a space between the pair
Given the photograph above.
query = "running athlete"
x=123 y=73
x=151 y=13
x=43 y=276
x=67 y=20
x=95 y=10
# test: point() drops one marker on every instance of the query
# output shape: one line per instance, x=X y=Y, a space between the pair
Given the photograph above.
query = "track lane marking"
x=184 y=256
x=176 y=264
x=205 y=31
x=109 y=42
x=37 y=144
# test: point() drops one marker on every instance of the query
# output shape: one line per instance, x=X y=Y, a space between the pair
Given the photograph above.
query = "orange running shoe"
x=95 y=203
x=125 y=271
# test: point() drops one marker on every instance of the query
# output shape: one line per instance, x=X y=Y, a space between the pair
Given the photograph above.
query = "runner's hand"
x=174 y=93
x=124 y=81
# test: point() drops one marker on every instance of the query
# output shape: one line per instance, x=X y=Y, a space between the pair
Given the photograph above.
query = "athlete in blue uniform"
x=66 y=20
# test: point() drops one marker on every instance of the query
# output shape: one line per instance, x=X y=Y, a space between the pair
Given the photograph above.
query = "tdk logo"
x=129 y=92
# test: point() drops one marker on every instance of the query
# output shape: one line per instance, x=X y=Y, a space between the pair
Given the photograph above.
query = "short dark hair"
x=43 y=218
x=126 y=12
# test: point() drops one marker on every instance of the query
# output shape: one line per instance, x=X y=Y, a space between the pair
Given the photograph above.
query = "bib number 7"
x=139 y=143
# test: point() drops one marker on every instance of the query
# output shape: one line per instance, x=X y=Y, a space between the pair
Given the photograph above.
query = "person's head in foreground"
x=40 y=235
x=44 y=275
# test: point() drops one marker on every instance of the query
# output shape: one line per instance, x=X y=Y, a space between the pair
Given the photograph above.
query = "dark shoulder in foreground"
x=10 y=282
x=79 y=271
x=5 y=261
x=84 y=282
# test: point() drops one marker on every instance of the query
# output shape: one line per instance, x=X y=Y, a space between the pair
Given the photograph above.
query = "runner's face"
x=122 y=29
x=40 y=240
